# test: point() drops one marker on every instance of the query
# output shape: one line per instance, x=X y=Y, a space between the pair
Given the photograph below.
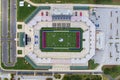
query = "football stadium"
x=58 y=38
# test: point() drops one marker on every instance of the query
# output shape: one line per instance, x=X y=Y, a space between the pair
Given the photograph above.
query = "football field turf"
x=61 y=40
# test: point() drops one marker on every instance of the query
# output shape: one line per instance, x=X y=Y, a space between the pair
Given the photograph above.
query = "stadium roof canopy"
x=60 y=11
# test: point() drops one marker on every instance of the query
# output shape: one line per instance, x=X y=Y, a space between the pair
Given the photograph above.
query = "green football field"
x=61 y=39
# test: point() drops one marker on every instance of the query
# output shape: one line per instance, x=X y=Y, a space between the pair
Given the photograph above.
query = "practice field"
x=61 y=40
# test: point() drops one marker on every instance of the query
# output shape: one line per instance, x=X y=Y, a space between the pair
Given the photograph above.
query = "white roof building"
x=61 y=11
x=100 y=40
x=21 y=3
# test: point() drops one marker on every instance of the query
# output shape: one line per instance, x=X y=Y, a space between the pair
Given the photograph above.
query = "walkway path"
x=99 y=68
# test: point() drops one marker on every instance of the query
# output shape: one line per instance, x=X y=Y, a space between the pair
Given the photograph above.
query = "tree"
x=72 y=77
x=49 y=79
x=106 y=70
x=66 y=77
x=57 y=76
x=102 y=1
x=76 y=77
x=87 y=78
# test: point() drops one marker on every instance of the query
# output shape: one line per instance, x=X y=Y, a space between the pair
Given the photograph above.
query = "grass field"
x=24 y=11
x=21 y=64
x=63 y=1
x=113 y=2
x=54 y=39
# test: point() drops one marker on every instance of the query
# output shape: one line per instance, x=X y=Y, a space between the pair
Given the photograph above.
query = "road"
x=5 y=39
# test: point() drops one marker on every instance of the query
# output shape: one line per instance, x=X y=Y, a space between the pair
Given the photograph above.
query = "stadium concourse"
x=58 y=18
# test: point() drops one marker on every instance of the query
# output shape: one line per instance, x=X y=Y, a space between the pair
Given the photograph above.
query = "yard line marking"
x=60 y=31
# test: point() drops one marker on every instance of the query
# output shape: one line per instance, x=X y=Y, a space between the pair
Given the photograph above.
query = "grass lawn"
x=19 y=26
x=113 y=2
x=24 y=11
x=63 y=1
x=92 y=64
x=21 y=64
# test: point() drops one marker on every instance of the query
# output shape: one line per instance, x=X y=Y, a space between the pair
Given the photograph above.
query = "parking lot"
x=8 y=58
x=107 y=21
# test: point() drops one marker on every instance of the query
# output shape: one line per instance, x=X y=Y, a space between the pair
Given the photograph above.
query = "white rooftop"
x=59 y=11
x=21 y=3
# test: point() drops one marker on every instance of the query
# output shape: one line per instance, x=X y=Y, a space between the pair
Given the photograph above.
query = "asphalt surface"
x=13 y=31
x=4 y=31
x=5 y=39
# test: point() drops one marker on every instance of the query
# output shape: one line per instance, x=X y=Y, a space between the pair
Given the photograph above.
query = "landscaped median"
x=19 y=26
